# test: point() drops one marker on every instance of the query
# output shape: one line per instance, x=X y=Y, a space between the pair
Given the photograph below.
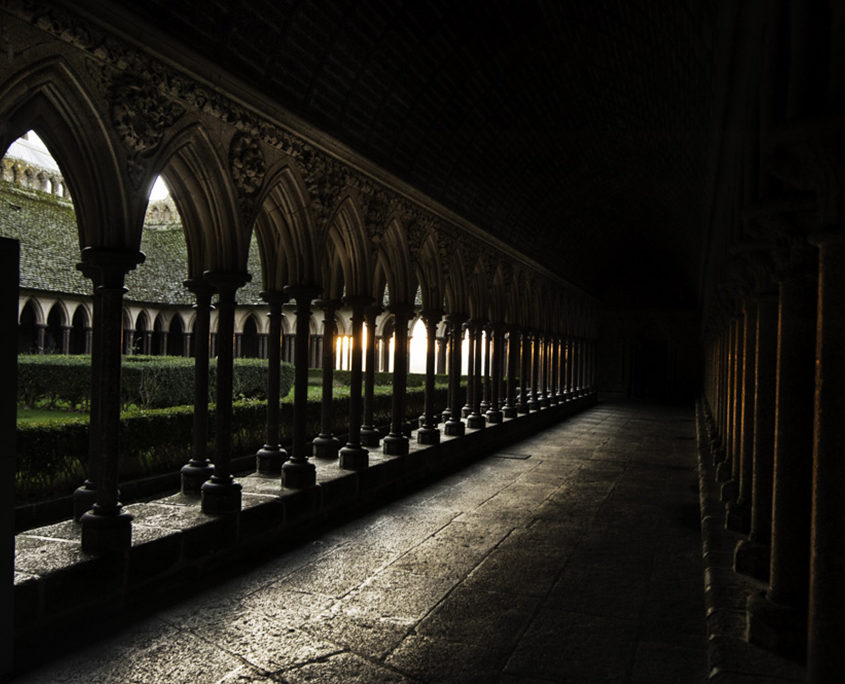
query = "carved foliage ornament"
x=247 y=165
x=141 y=114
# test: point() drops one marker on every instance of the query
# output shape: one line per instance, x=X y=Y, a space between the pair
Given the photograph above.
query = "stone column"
x=40 y=336
x=485 y=399
x=198 y=469
x=533 y=373
x=85 y=496
x=777 y=619
x=148 y=342
x=826 y=628
x=553 y=375
x=728 y=471
x=270 y=457
x=509 y=406
x=475 y=419
x=751 y=555
x=396 y=443
x=370 y=437
x=441 y=355
x=494 y=413
x=447 y=343
x=221 y=494
x=466 y=409
x=524 y=353
x=298 y=472
x=326 y=445
x=738 y=495
x=543 y=371
x=385 y=354
x=106 y=528
x=66 y=340
x=89 y=339
x=428 y=432
x=186 y=345
x=353 y=456
x=454 y=425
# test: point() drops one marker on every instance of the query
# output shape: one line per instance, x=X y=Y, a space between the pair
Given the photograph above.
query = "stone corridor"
x=573 y=556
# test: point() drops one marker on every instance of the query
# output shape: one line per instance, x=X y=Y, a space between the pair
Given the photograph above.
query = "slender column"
x=326 y=445
x=730 y=468
x=396 y=443
x=475 y=419
x=509 y=407
x=485 y=400
x=353 y=456
x=89 y=338
x=270 y=457
x=148 y=342
x=447 y=344
x=739 y=504
x=777 y=619
x=428 y=432
x=533 y=371
x=466 y=409
x=40 y=336
x=524 y=353
x=454 y=425
x=198 y=469
x=221 y=494
x=552 y=370
x=298 y=472
x=826 y=628
x=385 y=354
x=496 y=332
x=751 y=555
x=65 y=342
x=86 y=495
x=106 y=528
x=370 y=437
x=186 y=345
x=441 y=355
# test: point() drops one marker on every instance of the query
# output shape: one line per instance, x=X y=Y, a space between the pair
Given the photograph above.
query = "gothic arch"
x=393 y=266
x=347 y=236
x=430 y=274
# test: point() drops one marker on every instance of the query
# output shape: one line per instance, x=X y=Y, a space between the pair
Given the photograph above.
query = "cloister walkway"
x=572 y=556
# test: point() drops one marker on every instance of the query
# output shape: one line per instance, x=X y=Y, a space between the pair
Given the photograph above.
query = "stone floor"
x=573 y=556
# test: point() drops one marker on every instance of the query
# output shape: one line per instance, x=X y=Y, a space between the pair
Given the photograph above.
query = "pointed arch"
x=455 y=290
x=347 y=236
x=394 y=260
x=429 y=273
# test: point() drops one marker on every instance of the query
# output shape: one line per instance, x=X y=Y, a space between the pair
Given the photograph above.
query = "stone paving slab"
x=571 y=565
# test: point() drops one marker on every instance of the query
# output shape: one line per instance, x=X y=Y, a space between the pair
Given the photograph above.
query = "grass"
x=27 y=416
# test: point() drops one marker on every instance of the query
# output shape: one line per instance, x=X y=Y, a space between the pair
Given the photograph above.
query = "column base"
x=454 y=428
x=738 y=517
x=104 y=533
x=220 y=496
x=554 y=399
x=522 y=409
x=193 y=475
x=370 y=436
x=428 y=435
x=395 y=445
x=730 y=491
x=354 y=457
x=775 y=627
x=325 y=446
x=484 y=406
x=446 y=415
x=494 y=416
x=509 y=411
x=752 y=558
x=269 y=459
x=544 y=402
x=475 y=421
x=299 y=474
x=84 y=498
x=533 y=405
x=718 y=454
x=465 y=411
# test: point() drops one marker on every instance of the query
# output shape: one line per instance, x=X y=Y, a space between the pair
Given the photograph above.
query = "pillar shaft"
x=454 y=425
x=369 y=435
x=353 y=455
x=428 y=432
x=396 y=442
x=326 y=445
x=269 y=458
x=524 y=353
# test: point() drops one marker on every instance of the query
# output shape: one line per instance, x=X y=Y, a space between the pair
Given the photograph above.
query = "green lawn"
x=43 y=415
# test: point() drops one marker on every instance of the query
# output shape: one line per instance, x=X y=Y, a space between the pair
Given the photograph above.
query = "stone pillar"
x=270 y=457
x=751 y=555
x=509 y=406
x=66 y=340
x=326 y=445
x=777 y=619
x=428 y=432
x=552 y=372
x=728 y=471
x=441 y=355
x=353 y=456
x=370 y=437
x=221 y=494
x=496 y=332
x=826 y=628
x=148 y=342
x=447 y=345
x=40 y=336
x=385 y=354
x=466 y=409
x=543 y=371
x=396 y=443
x=298 y=472
x=198 y=469
x=186 y=345
x=106 y=528
x=475 y=419
x=484 y=406
x=89 y=339
x=454 y=425
x=524 y=353
x=738 y=515
x=534 y=369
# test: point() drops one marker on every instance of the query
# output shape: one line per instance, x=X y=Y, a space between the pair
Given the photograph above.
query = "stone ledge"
x=730 y=658
x=174 y=544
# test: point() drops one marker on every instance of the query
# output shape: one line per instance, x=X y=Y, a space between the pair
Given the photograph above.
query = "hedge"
x=146 y=381
x=51 y=458
x=342 y=377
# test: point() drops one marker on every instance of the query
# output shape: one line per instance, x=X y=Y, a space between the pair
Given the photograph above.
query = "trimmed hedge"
x=146 y=381
x=342 y=377
x=51 y=458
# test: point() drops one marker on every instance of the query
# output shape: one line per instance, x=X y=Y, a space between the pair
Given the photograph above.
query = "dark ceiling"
x=575 y=130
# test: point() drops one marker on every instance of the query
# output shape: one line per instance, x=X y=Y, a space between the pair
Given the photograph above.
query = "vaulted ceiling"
x=575 y=131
